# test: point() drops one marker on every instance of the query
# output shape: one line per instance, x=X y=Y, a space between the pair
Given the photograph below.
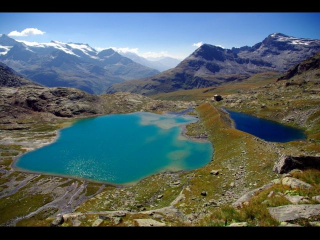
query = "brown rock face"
x=9 y=78
x=61 y=102
x=309 y=64
x=287 y=163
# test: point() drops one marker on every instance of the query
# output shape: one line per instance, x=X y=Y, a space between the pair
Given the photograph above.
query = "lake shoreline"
x=36 y=145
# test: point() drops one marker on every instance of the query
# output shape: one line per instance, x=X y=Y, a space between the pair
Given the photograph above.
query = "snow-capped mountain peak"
x=291 y=40
x=69 y=48
x=85 y=48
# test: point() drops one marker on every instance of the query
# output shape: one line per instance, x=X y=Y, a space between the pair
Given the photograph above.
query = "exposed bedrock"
x=287 y=163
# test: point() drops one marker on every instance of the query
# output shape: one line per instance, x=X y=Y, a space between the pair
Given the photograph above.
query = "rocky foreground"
x=223 y=192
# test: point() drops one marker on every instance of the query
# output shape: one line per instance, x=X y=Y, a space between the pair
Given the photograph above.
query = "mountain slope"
x=162 y=64
x=69 y=64
x=10 y=78
x=282 y=51
x=123 y=67
x=211 y=65
x=310 y=65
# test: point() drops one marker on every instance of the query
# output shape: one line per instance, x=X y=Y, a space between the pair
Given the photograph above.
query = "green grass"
x=256 y=212
x=195 y=129
x=8 y=154
x=311 y=176
x=20 y=204
x=68 y=183
x=11 y=147
x=6 y=161
x=255 y=81
x=229 y=145
x=92 y=188
x=39 y=219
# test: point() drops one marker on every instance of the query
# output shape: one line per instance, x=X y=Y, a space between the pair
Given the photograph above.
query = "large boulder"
x=295 y=183
x=316 y=198
x=97 y=222
x=286 y=163
x=247 y=197
x=57 y=221
x=292 y=212
x=297 y=199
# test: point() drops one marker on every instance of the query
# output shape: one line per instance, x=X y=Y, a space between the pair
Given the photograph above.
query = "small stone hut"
x=217 y=98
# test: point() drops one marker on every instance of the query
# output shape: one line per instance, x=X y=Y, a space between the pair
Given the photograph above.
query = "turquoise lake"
x=120 y=149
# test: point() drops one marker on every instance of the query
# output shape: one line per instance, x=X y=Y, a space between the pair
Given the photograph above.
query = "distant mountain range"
x=70 y=64
x=211 y=65
x=161 y=64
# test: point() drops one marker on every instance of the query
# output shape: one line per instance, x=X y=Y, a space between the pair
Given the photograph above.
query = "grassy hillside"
x=256 y=80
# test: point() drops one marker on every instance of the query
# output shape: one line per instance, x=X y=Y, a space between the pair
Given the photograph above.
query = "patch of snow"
x=293 y=40
x=28 y=49
x=66 y=47
x=6 y=49
x=61 y=46
x=84 y=48
x=55 y=44
x=58 y=42
x=300 y=42
x=32 y=44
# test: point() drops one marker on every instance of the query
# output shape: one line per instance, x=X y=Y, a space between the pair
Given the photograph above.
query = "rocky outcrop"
x=316 y=198
x=309 y=64
x=297 y=199
x=60 y=102
x=292 y=212
x=247 y=197
x=97 y=222
x=10 y=78
x=295 y=183
x=287 y=163
x=57 y=221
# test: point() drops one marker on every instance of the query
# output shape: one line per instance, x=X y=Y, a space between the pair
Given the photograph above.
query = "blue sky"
x=155 y=34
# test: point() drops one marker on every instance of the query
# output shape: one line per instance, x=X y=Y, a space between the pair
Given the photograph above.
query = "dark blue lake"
x=120 y=148
x=265 y=129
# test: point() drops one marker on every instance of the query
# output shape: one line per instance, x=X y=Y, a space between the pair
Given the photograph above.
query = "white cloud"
x=199 y=44
x=26 y=32
x=155 y=54
x=99 y=49
x=145 y=55
x=123 y=50
x=126 y=49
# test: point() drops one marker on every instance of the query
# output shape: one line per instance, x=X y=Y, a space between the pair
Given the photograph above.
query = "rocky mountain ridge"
x=212 y=65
